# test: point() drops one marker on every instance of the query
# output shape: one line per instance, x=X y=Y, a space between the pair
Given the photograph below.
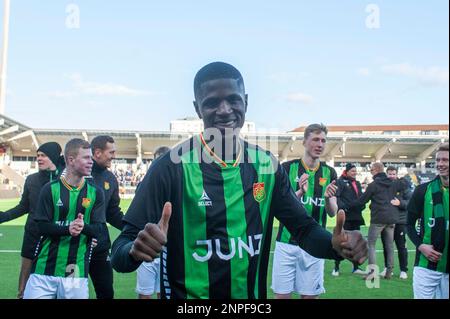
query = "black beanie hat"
x=349 y=166
x=52 y=150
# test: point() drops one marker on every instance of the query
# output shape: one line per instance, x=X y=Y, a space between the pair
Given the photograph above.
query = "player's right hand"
x=150 y=240
x=302 y=185
x=76 y=226
x=429 y=252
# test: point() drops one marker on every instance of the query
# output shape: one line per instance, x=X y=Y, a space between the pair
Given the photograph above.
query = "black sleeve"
x=341 y=200
x=44 y=215
x=365 y=197
x=120 y=258
x=404 y=200
x=304 y=229
x=52 y=230
x=114 y=214
x=153 y=192
x=333 y=174
x=415 y=212
x=22 y=208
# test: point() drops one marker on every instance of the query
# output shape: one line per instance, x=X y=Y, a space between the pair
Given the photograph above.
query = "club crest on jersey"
x=107 y=187
x=322 y=181
x=259 y=193
x=86 y=202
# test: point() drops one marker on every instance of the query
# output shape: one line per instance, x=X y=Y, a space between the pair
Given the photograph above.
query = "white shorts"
x=296 y=270
x=50 y=287
x=148 y=278
x=429 y=284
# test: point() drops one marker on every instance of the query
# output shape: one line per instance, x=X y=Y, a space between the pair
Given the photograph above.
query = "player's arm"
x=114 y=214
x=404 y=199
x=44 y=215
x=21 y=209
x=415 y=212
x=94 y=227
x=141 y=238
x=331 y=206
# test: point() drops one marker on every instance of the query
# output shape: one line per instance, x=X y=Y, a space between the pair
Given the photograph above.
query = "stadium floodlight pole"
x=4 y=56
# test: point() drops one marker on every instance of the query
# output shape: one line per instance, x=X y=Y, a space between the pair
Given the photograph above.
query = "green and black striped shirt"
x=59 y=254
x=314 y=199
x=429 y=205
x=220 y=228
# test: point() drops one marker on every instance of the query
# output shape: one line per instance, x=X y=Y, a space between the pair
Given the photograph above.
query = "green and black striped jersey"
x=429 y=205
x=314 y=199
x=219 y=236
x=59 y=254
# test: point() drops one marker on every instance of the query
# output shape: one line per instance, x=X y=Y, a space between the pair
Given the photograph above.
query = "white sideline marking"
x=9 y=251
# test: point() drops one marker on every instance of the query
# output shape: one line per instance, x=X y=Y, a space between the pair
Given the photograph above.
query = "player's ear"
x=197 y=109
x=246 y=102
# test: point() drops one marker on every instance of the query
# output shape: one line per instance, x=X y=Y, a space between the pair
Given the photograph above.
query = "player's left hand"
x=395 y=201
x=331 y=190
x=349 y=244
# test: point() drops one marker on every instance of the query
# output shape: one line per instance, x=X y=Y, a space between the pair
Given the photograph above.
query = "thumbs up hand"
x=150 y=240
x=76 y=226
x=349 y=244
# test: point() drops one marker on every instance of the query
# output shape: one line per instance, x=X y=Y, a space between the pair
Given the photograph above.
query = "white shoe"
x=359 y=272
x=403 y=275
x=383 y=273
x=335 y=273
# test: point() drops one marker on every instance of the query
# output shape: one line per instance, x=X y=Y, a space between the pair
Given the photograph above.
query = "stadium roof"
x=405 y=148
x=376 y=128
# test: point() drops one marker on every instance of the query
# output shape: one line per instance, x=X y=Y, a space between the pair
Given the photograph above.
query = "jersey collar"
x=70 y=187
x=217 y=158
x=308 y=168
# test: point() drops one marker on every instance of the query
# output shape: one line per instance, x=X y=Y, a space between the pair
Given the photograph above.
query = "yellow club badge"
x=107 y=187
x=86 y=202
x=322 y=181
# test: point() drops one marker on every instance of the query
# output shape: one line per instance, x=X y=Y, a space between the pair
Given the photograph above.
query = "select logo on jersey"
x=323 y=181
x=204 y=200
x=106 y=186
x=86 y=202
x=59 y=203
x=252 y=247
x=259 y=193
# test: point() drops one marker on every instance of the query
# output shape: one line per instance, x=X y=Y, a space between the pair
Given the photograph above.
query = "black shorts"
x=30 y=243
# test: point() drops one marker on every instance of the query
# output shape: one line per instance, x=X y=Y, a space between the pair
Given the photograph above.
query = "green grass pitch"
x=347 y=285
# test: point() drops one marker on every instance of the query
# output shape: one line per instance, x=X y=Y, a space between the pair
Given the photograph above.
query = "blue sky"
x=130 y=64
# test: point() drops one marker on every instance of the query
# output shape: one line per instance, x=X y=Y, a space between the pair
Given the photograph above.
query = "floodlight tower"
x=4 y=56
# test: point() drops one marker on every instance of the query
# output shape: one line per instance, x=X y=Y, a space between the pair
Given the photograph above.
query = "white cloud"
x=82 y=87
x=62 y=94
x=363 y=71
x=283 y=77
x=430 y=76
x=299 y=97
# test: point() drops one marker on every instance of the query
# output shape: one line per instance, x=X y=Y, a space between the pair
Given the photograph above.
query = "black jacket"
x=346 y=195
x=380 y=192
x=28 y=202
x=107 y=182
x=404 y=196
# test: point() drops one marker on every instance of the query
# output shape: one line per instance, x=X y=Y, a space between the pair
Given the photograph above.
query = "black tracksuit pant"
x=400 y=242
x=101 y=273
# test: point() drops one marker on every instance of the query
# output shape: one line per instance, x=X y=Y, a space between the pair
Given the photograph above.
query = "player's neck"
x=444 y=180
x=312 y=163
x=72 y=178
x=226 y=148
